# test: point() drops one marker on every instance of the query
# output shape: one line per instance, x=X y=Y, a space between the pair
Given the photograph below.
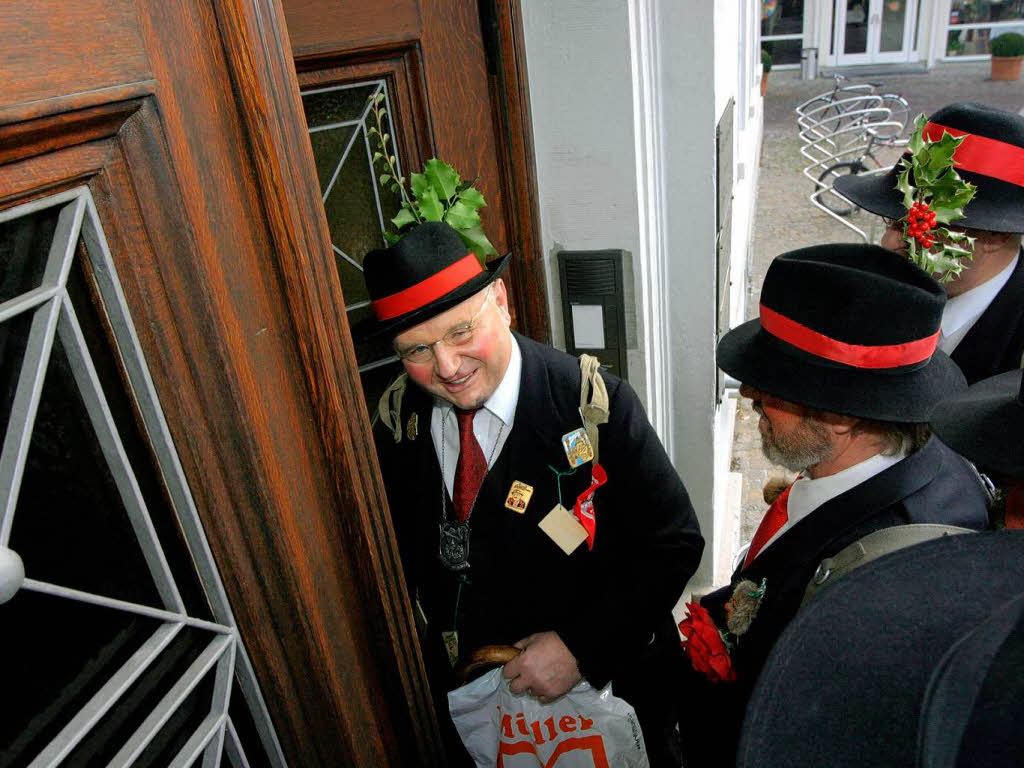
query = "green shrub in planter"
x=1008 y=44
x=766 y=60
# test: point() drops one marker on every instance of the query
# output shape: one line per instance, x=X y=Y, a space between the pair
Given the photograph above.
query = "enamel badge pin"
x=577 y=447
x=519 y=496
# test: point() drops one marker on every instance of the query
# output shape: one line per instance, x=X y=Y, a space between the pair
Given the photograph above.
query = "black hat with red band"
x=849 y=329
x=427 y=272
x=991 y=157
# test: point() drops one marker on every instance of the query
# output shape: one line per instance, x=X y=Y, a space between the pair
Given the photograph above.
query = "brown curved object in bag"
x=485 y=656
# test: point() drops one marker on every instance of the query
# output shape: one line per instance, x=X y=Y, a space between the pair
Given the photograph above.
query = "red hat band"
x=855 y=355
x=428 y=290
x=982 y=155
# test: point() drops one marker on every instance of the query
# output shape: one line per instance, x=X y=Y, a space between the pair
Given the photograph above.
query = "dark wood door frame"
x=261 y=64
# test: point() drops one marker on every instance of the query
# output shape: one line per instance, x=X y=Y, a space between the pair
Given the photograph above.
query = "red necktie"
x=471 y=467
x=774 y=518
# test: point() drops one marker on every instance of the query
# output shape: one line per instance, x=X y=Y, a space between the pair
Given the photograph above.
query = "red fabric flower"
x=704 y=645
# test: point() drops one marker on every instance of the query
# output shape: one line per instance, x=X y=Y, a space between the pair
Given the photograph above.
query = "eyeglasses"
x=458 y=336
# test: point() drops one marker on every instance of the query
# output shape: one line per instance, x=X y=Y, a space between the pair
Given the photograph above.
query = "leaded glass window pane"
x=126 y=647
x=357 y=207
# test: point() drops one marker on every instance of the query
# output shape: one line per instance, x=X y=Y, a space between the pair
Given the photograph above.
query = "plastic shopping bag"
x=584 y=728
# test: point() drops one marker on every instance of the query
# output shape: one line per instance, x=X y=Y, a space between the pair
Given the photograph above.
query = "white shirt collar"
x=969 y=305
x=808 y=494
x=503 y=402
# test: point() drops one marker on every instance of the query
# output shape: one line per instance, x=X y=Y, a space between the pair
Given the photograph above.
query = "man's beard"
x=805 y=446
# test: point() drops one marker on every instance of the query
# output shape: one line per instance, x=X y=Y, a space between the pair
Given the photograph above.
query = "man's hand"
x=545 y=669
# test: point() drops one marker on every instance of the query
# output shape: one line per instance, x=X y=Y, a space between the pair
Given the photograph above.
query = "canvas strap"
x=389 y=407
x=872 y=546
x=593 y=399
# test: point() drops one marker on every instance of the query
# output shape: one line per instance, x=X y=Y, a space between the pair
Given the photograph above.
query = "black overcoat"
x=606 y=604
x=933 y=485
x=995 y=343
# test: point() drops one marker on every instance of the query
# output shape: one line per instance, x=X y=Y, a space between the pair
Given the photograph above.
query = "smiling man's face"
x=465 y=375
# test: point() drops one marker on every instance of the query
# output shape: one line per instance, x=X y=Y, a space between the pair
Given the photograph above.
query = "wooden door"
x=453 y=78
x=186 y=448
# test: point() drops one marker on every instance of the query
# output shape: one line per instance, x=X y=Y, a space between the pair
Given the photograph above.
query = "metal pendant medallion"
x=454 y=546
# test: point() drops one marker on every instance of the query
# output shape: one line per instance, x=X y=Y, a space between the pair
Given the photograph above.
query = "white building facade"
x=647 y=125
x=844 y=33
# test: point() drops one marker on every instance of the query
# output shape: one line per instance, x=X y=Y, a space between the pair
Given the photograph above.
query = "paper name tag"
x=563 y=529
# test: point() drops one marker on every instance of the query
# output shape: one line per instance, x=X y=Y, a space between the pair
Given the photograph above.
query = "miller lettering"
x=538 y=729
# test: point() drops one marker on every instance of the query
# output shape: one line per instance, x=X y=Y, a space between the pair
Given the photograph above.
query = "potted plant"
x=1007 y=55
x=766 y=67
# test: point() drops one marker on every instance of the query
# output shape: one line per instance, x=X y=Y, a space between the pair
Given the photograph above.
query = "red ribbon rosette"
x=704 y=646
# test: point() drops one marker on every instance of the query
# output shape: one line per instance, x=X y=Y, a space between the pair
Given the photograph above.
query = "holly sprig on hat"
x=437 y=194
x=935 y=199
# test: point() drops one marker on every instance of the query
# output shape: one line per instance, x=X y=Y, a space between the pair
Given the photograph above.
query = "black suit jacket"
x=995 y=343
x=606 y=603
x=934 y=485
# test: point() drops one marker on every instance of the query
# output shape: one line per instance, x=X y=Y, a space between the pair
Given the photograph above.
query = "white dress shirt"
x=962 y=312
x=808 y=494
x=491 y=424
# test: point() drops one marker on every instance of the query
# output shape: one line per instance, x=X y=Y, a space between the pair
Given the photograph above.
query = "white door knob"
x=12 y=573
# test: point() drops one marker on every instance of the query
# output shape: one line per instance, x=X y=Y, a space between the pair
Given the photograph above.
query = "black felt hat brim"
x=998 y=206
x=844 y=683
x=754 y=357
x=371 y=328
x=986 y=424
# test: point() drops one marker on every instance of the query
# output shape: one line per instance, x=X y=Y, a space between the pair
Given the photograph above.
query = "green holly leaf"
x=940 y=153
x=442 y=177
x=384 y=179
x=472 y=197
x=916 y=143
x=947 y=215
x=461 y=216
x=430 y=207
x=419 y=185
x=903 y=185
x=403 y=218
x=391 y=238
x=477 y=242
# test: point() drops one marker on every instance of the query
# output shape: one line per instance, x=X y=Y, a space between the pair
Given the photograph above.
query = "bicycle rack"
x=837 y=131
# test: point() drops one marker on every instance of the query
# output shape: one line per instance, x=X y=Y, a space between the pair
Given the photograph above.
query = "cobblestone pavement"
x=785 y=219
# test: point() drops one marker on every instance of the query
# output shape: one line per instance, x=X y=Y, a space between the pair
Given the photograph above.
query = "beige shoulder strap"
x=593 y=398
x=389 y=407
x=873 y=546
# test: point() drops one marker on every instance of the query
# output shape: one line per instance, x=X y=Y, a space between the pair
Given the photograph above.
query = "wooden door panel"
x=103 y=33
x=320 y=25
x=206 y=199
x=472 y=82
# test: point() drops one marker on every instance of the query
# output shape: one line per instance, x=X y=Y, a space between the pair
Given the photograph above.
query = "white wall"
x=578 y=57
x=625 y=97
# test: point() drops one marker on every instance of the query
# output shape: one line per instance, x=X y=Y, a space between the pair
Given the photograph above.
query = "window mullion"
x=23 y=410
x=105 y=698
x=117 y=459
x=174 y=698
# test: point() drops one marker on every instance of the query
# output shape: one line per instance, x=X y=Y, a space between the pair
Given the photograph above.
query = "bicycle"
x=824 y=190
x=836 y=104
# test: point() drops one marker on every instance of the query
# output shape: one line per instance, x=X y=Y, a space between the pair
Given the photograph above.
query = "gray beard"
x=808 y=446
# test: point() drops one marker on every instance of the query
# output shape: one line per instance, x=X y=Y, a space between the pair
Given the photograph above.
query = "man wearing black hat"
x=521 y=518
x=983 y=323
x=917 y=658
x=843 y=369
